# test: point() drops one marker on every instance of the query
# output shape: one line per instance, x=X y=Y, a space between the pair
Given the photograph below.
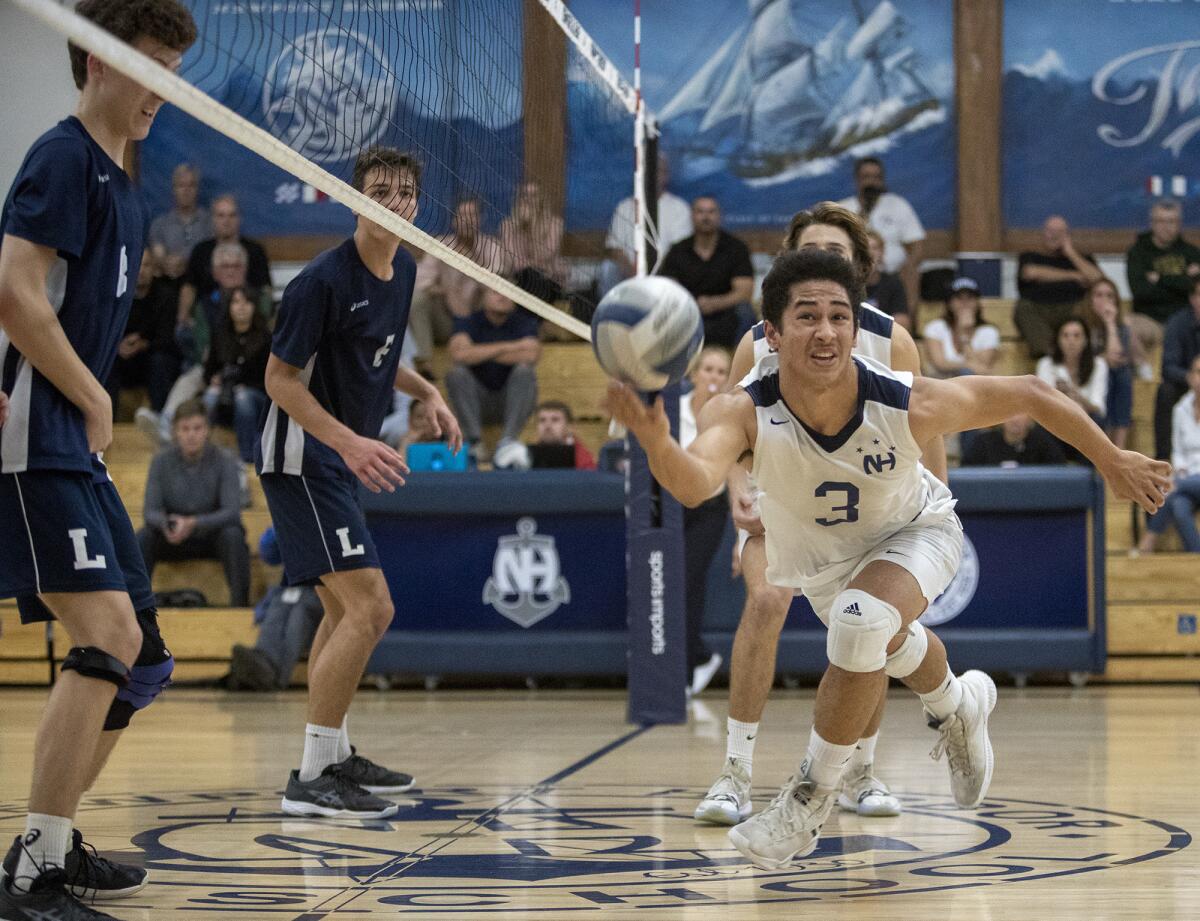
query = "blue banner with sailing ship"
x=1121 y=102
x=766 y=104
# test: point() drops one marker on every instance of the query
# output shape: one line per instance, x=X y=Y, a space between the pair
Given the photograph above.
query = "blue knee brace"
x=148 y=678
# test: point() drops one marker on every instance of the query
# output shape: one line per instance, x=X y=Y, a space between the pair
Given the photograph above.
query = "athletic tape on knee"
x=908 y=658
x=860 y=626
x=148 y=678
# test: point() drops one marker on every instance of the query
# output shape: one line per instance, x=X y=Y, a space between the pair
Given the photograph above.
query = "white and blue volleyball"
x=647 y=331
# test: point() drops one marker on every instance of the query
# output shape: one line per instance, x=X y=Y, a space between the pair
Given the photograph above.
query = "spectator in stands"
x=1112 y=337
x=1051 y=282
x=894 y=218
x=147 y=355
x=531 y=240
x=1075 y=370
x=1181 y=345
x=236 y=369
x=704 y=525
x=193 y=504
x=715 y=267
x=1184 y=498
x=674 y=223
x=1017 y=441
x=173 y=235
x=556 y=428
x=420 y=429
x=442 y=293
x=287 y=618
x=494 y=376
x=960 y=342
x=884 y=289
x=1161 y=266
x=199 y=280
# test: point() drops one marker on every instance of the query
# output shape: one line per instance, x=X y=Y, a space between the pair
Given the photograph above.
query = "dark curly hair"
x=796 y=266
x=389 y=158
x=165 y=21
x=833 y=215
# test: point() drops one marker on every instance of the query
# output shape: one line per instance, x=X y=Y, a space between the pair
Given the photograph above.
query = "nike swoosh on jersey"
x=779 y=421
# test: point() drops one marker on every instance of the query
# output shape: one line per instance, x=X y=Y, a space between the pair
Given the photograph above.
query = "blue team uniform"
x=344 y=327
x=68 y=529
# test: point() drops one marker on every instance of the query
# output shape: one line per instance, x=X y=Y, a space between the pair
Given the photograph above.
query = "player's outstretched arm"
x=444 y=423
x=940 y=407
x=33 y=327
x=378 y=466
x=693 y=475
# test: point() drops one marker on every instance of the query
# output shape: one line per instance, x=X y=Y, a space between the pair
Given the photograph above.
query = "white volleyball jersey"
x=874 y=336
x=830 y=498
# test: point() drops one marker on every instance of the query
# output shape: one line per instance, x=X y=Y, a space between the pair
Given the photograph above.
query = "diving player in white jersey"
x=855 y=522
x=832 y=228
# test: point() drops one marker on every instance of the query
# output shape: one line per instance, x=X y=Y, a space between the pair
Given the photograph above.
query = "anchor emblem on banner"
x=526 y=584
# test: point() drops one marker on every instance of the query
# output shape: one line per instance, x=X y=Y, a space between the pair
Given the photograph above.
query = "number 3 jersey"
x=827 y=499
x=71 y=197
x=344 y=327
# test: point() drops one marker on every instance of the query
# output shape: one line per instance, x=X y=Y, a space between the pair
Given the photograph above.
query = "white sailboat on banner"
x=772 y=98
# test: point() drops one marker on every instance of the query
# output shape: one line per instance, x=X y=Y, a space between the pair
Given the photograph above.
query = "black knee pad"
x=148 y=678
x=92 y=662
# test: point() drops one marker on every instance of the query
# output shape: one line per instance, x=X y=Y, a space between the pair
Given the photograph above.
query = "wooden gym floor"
x=548 y=805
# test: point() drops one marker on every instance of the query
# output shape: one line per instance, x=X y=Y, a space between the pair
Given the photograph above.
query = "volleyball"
x=647 y=331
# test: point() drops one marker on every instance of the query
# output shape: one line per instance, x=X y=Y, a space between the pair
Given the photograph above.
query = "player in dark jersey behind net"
x=335 y=361
x=74 y=228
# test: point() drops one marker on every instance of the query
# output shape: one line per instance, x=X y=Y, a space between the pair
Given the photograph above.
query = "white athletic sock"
x=344 y=741
x=44 y=845
x=824 y=762
x=739 y=741
x=320 y=750
x=864 y=751
x=943 y=701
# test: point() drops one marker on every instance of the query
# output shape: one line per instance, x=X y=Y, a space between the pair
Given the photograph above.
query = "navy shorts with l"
x=320 y=525
x=67 y=534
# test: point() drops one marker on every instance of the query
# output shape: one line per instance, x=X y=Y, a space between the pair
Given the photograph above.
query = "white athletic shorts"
x=931 y=551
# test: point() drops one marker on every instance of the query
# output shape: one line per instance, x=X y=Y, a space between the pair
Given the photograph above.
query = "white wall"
x=36 y=89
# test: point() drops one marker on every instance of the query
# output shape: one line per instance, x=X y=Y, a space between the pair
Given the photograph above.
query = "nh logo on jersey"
x=82 y=560
x=357 y=304
x=383 y=349
x=852 y=608
x=103 y=177
x=348 y=550
x=875 y=463
x=526 y=584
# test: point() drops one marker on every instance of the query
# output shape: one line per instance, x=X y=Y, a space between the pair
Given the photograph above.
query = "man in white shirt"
x=674 y=224
x=893 y=217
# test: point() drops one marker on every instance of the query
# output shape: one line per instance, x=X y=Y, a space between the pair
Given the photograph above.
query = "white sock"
x=50 y=834
x=344 y=741
x=864 y=751
x=320 y=750
x=944 y=700
x=739 y=741
x=825 y=761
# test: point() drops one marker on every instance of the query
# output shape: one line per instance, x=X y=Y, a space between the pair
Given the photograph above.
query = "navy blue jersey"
x=344 y=327
x=69 y=195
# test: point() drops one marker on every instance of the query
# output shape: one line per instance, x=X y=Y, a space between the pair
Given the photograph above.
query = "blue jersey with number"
x=71 y=197
x=344 y=327
x=831 y=498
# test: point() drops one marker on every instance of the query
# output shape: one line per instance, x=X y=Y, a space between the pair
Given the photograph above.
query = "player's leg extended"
x=752 y=672
x=105 y=641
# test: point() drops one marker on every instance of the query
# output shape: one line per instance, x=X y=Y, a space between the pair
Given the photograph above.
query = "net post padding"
x=198 y=104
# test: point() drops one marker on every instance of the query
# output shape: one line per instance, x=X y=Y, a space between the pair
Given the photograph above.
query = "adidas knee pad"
x=860 y=627
x=908 y=658
x=148 y=678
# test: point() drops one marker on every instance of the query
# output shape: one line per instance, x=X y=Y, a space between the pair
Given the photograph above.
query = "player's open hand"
x=98 y=424
x=745 y=514
x=1139 y=479
x=627 y=407
x=378 y=466
x=445 y=426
